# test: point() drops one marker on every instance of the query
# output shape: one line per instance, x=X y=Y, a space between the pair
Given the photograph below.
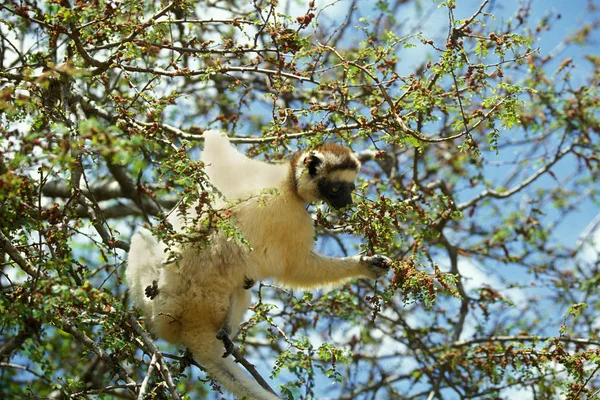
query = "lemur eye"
x=335 y=190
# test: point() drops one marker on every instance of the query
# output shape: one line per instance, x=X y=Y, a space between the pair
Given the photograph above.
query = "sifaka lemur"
x=199 y=298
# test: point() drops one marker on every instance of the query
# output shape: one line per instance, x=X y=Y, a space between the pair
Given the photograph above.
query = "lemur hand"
x=377 y=265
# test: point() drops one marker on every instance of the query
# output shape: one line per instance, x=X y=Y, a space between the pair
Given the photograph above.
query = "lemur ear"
x=312 y=163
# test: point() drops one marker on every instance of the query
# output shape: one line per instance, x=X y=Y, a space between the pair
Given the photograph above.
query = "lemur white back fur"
x=235 y=175
x=204 y=288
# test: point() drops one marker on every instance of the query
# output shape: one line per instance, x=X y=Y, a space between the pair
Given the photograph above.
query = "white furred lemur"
x=199 y=298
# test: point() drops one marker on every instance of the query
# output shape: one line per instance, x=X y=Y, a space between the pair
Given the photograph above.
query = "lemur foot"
x=248 y=283
x=152 y=290
x=223 y=336
x=377 y=265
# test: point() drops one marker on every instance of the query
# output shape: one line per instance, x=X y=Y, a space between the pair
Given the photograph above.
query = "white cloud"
x=474 y=277
x=589 y=240
x=12 y=275
x=520 y=393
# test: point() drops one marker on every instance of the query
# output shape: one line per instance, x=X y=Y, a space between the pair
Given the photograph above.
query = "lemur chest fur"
x=279 y=230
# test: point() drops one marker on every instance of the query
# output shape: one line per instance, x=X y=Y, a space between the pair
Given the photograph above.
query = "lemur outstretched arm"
x=319 y=270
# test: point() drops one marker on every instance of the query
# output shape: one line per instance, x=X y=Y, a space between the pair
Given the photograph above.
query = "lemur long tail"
x=207 y=350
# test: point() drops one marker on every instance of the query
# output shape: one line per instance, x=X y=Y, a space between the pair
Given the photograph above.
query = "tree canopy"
x=478 y=126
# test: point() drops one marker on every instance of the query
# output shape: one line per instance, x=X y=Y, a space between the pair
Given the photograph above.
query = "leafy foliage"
x=480 y=156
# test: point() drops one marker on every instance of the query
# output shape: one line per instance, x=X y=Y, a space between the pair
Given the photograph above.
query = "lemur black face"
x=336 y=193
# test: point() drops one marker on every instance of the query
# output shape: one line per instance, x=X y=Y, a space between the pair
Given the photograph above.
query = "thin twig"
x=397 y=118
x=472 y=17
x=144 y=385
x=105 y=389
x=222 y=70
x=204 y=50
x=166 y=374
x=525 y=338
x=501 y=195
x=586 y=382
x=69 y=327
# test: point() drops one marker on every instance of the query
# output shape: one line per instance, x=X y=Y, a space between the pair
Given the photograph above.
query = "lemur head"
x=325 y=173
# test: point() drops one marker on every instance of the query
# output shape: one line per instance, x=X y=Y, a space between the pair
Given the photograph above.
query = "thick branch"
x=100 y=192
x=13 y=343
x=144 y=386
x=130 y=189
x=14 y=254
x=107 y=238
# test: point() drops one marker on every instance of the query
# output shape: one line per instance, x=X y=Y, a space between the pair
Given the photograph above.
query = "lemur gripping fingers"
x=377 y=265
x=223 y=336
x=248 y=283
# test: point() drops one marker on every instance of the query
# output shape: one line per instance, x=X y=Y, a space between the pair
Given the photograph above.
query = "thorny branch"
x=398 y=118
x=252 y=370
x=221 y=70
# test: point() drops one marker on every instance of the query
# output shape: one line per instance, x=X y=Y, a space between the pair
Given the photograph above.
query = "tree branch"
x=13 y=253
x=69 y=327
x=166 y=374
x=501 y=195
x=250 y=368
x=144 y=385
x=525 y=338
x=222 y=70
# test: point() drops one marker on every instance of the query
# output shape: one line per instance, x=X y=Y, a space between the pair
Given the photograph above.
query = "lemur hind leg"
x=225 y=331
x=239 y=301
